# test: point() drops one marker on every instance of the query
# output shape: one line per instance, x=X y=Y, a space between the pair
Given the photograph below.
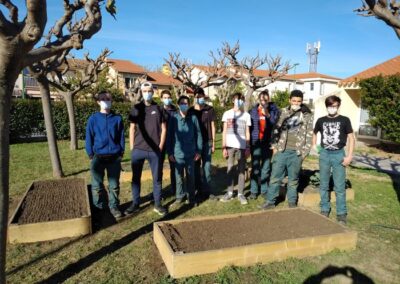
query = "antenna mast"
x=312 y=51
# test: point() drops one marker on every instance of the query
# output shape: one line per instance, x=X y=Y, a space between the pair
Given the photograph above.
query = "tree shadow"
x=384 y=165
x=77 y=172
x=347 y=271
x=85 y=262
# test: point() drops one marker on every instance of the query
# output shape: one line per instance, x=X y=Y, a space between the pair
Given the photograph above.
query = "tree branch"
x=35 y=21
x=12 y=9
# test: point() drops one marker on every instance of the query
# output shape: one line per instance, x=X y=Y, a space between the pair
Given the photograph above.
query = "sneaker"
x=176 y=203
x=227 y=197
x=213 y=197
x=266 y=206
x=253 y=196
x=292 y=205
x=116 y=213
x=326 y=214
x=242 y=199
x=160 y=210
x=342 y=220
x=132 y=209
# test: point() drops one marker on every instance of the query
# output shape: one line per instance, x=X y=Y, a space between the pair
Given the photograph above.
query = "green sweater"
x=183 y=136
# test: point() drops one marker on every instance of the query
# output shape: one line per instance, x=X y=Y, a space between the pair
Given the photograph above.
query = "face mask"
x=238 y=103
x=332 y=110
x=147 y=96
x=201 y=101
x=183 y=108
x=106 y=105
x=295 y=107
x=167 y=102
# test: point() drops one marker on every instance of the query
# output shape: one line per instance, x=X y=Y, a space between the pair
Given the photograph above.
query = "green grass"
x=125 y=253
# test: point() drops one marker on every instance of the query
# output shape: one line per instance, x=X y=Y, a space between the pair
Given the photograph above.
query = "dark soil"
x=53 y=200
x=194 y=236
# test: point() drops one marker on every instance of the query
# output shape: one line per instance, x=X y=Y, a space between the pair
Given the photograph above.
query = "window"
x=311 y=86
x=365 y=128
x=128 y=82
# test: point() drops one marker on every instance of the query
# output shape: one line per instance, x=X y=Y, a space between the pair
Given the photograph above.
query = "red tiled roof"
x=389 y=67
x=162 y=79
x=310 y=75
x=125 y=66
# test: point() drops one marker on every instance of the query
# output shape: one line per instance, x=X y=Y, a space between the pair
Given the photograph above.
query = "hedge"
x=27 y=117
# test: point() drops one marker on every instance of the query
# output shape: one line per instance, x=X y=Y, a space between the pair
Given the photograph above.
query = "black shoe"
x=160 y=210
x=326 y=214
x=132 y=209
x=342 y=219
x=292 y=205
x=266 y=206
x=253 y=196
x=116 y=213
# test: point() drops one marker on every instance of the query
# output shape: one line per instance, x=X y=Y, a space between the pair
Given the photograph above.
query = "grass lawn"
x=125 y=253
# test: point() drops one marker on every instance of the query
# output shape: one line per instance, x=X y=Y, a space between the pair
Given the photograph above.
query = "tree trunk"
x=6 y=87
x=249 y=93
x=50 y=131
x=69 y=100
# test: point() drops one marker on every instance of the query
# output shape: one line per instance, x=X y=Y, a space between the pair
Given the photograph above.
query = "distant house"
x=349 y=92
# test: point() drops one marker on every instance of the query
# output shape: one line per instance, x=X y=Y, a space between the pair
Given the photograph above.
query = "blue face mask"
x=183 y=108
x=167 y=102
x=238 y=103
x=201 y=101
x=147 y=96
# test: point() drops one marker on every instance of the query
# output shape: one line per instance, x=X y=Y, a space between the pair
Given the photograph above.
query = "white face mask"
x=238 y=103
x=295 y=107
x=147 y=96
x=106 y=105
x=332 y=110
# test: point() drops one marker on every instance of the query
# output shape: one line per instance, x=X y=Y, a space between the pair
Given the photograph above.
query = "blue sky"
x=145 y=31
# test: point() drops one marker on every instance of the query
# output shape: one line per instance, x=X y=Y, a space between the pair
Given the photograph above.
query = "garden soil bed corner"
x=51 y=209
x=207 y=244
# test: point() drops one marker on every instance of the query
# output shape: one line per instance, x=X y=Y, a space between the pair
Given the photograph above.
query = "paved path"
x=379 y=163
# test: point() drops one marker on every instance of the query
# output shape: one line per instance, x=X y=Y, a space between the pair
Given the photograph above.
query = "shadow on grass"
x=77 y=172
x=95 y=256
x=346 y=271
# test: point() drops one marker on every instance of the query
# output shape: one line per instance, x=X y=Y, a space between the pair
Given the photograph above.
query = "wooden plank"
x=166 y=252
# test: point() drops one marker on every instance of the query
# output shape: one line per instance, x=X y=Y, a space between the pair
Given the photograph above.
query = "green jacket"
x=304 y=135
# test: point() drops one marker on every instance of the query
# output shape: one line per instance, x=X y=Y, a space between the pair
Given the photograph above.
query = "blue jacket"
x=255 y=125
x=184 y=138
x=105 y=134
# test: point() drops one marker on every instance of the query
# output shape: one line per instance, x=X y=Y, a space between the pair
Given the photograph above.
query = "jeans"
x=184 y=165
x=331 y=162
x=98 y=166
x=289 y=161
x=239 y=155
x=203 y=169
x=137 y=160
x=260 y=167
x=164 y=156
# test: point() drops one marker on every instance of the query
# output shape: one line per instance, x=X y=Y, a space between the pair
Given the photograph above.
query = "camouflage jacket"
x=304 y=135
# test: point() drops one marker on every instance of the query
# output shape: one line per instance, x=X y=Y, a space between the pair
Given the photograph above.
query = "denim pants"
x=164 y=156
x=203 y=169
x=137 y=160
x=98 y=166
x=183 y=165
x=239 y=155
x=260 y=167
x=289 y=161
x=331 y=162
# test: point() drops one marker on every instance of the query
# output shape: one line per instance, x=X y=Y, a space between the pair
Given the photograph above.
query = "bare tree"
x=385 y=10
x=69 y=86
x=134 y=93
x=246 y=69
x=224 y=91
x=18 y=39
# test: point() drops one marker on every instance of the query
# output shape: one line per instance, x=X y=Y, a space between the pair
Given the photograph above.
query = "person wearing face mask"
x=105 y=146
x=335 y=130
x=263 y=118
x=169 y=110
x=147 y=134
x=291 y=144
x=236 y=145
x=206 y=116
x=184 y=145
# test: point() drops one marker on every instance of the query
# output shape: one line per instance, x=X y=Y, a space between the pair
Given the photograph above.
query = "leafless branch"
x=12 y=9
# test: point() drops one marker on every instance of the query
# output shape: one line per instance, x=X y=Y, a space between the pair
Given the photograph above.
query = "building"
x=349 y=92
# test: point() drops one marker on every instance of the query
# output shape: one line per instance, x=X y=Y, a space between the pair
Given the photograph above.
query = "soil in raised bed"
x=194 y=236
x=54 y=200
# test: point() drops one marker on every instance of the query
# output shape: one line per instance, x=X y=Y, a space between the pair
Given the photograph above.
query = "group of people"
x=278 y=140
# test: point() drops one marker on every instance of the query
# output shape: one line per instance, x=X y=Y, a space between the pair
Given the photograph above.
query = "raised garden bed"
x=207 y=244
x=51 y=209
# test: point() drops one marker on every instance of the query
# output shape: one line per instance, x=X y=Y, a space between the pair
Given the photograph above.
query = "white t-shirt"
x=236 y=124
